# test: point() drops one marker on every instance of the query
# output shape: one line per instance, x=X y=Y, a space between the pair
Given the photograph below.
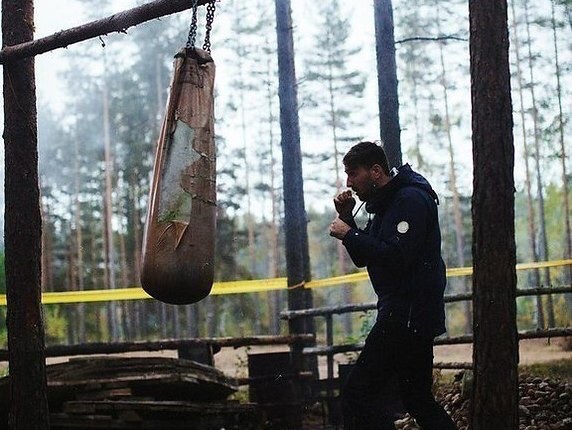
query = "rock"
x=526 y=400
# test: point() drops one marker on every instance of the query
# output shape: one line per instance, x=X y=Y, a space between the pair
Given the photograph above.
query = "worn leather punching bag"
x=179 y=238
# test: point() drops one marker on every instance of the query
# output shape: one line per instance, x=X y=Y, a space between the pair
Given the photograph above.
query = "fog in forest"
x=125 y=78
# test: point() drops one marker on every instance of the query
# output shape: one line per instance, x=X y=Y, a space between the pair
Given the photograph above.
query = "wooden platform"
x=151 y=392
x=126 y=414
x=152 y=377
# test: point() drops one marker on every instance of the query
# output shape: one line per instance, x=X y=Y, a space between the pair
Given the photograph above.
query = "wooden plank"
x=456 y=340
x=249 y=420
x=154 y=377
x=111 y=407
x=112 y=393
x=162 y=414
x=169 y=344
x=364 y=307
x=62 y=420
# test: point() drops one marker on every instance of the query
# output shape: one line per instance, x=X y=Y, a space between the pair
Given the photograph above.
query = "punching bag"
x=179 y=237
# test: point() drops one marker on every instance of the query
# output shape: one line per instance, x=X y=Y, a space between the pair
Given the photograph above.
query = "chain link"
x=193 y=27
x=210 y=17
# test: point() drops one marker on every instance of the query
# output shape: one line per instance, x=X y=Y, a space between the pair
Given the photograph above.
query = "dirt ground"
x=234 y=362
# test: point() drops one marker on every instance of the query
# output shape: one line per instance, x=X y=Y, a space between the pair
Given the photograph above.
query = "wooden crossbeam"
x=118 y=22
x=456 y=340
x=171 y=344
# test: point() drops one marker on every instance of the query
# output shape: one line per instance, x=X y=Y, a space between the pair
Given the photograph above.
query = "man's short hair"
x=366 y=154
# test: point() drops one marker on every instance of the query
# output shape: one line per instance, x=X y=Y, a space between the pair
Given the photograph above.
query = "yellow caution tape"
x=249 y=286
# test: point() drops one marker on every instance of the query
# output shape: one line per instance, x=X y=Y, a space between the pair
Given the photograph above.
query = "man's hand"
x=339 y=229
x=345 y=203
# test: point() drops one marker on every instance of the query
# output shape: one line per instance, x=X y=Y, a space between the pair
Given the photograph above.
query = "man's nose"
x=348 y=183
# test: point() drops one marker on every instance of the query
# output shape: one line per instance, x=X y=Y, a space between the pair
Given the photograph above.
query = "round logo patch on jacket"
x=403 y=227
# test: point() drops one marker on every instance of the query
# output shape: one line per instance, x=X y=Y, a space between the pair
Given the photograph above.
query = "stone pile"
x=545 y=404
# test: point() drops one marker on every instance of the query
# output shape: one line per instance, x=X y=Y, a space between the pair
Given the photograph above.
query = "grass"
x=556 y=369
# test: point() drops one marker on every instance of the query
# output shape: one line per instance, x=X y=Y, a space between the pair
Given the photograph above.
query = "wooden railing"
x=330 y=349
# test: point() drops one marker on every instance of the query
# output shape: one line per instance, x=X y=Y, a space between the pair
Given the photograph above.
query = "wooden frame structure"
x=28 y=398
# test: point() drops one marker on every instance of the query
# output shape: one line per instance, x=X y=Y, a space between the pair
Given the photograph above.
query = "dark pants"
x=392 y=349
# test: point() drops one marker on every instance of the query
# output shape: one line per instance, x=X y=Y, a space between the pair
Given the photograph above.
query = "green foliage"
x=3 y=331
x=456 y=319
x=2 y=274
x=526 y=312
x=55 y=325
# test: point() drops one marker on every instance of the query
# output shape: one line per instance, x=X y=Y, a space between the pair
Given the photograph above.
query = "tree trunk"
x=139 y=325
x=127 y=308
x=387 y=81
x=495 y=353
x=457 y=214
x=28 y=407
x=528 y=183
x=47 y=249
x=71 y=285
x=95 y=276
x=249 y=217
x=176 y=323
x=342 y=260
x=80 y=323
x=274 y=302
x=211 y=308
x=295 y=213
x=541 y=213
x=164 y=320
x=563 y=155
x=109 y=248
x=192 y=314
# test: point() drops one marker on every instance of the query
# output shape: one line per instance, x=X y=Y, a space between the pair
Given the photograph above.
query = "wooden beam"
x=364 y=307
x=170 y=344
x=456 y=340
x=118 y=22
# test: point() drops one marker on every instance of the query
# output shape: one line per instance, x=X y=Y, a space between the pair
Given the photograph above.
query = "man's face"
x=360 y=180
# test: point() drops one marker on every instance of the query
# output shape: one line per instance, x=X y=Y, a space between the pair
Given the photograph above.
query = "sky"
x=54 y=15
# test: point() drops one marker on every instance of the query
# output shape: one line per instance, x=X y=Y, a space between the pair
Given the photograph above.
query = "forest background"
x=100 y=104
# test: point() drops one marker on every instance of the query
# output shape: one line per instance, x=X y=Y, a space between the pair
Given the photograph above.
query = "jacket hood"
x=405 y=177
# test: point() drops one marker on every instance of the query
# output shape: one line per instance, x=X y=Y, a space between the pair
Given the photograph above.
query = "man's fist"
x=339 y=229
x=345 y=203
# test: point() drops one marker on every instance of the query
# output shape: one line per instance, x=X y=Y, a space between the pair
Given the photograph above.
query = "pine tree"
x=335 y=90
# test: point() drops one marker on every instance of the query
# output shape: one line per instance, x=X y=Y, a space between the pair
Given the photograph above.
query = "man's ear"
x=376 y=171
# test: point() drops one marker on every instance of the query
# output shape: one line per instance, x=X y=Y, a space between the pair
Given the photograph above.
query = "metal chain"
x=210 y=17
x=193 y=27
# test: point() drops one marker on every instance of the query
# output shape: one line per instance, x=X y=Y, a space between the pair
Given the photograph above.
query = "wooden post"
x=330 y=356
x=495 y=352
x=390 y=131
x=28 y=399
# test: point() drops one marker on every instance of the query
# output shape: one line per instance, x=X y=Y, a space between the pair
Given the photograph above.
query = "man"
x=401 y=247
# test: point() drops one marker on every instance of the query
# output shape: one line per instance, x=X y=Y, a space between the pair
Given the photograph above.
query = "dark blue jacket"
x=401 y=247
